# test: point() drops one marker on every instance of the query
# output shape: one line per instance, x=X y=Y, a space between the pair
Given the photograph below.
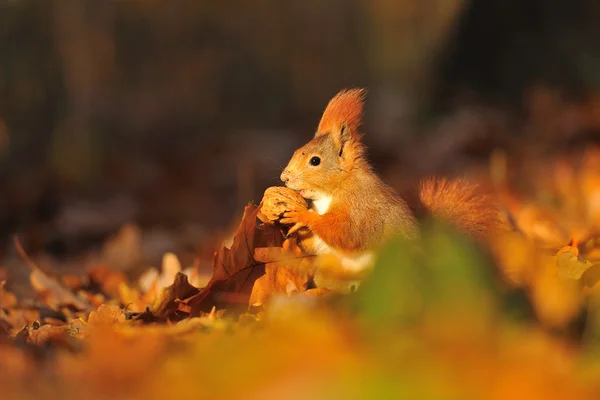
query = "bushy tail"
x=460 y=204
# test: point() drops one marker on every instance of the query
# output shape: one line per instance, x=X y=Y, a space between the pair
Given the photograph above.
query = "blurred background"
x=153 y=123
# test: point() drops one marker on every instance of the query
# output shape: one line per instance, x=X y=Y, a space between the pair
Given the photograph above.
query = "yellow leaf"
x=568 y=264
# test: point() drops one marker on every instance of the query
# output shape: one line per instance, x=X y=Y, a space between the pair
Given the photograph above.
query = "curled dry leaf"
x=167 y=303
x=279 y=199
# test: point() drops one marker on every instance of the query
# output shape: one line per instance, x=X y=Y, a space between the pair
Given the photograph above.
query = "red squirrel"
x=352 y=210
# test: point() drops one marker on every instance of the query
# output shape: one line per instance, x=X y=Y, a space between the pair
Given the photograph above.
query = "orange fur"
x=459 y=203
x=345 y=108
x=362 y=211
x=335 y=228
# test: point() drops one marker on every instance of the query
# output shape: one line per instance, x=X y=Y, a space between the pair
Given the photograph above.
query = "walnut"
x=279 y=199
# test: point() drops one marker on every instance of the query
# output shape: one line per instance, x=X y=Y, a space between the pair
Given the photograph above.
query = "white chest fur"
x=321 y=205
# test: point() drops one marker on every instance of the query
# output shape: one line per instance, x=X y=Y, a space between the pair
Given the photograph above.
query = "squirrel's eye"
x=315 y=161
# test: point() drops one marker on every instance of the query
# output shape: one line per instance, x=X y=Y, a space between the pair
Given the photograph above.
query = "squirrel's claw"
x=295 y=228
x=292 y=218
x=289 y=218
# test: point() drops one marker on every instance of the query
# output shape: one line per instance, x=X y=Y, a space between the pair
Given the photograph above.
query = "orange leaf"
x=106 y=315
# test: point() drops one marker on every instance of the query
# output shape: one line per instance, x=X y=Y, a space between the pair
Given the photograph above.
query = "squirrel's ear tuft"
x=343 y=113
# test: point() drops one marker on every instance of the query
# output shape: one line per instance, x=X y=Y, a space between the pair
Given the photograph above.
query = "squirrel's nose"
x=285 y=176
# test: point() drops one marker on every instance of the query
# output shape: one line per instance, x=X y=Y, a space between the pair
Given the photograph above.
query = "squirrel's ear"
x=341 y=136
x=345 y=110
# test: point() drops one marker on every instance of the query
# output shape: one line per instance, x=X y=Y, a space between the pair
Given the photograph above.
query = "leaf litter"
x=263 y=320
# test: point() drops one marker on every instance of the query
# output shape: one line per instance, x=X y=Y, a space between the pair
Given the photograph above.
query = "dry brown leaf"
x=236 y=269
x=167 y=303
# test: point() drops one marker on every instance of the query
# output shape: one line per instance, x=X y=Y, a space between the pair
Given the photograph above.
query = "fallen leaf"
x=569 y=266
x=279 y=278
x=106 y=315
x=19 y=317
x=48 y=333
x=54 y=291
x=107 y=279
x=167 y=303
x=7 y=299
x=236 y=269
x=57 y=293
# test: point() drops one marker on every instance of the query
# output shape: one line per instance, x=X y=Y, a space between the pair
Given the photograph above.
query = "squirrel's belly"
x=320 y=247
x=351 y=262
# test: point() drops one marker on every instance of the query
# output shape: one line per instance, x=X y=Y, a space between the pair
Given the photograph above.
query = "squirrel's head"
x=336 y=150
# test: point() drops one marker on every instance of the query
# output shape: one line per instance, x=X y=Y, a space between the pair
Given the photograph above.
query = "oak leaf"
x=167 y=304
x=235 y=269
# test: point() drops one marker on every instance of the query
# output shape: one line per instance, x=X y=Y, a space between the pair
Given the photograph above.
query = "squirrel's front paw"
x=295 y=218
